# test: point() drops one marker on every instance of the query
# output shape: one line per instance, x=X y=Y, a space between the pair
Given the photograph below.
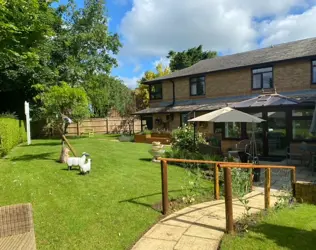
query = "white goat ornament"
x=77 y=161
x=86 y=168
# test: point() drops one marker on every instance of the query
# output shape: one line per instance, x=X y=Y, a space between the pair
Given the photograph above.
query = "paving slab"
x=154 y=244
x=195 y=243
x=166 y=232
x=201 y=226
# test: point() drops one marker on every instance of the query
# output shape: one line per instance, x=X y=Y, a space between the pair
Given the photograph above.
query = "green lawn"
x=284 y=229
x=108 y=209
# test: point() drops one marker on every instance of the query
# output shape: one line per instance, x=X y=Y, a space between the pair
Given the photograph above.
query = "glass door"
x=276 y=133
x=256 y=129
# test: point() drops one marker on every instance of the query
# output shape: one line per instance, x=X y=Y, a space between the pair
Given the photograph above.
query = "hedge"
x=12 y=133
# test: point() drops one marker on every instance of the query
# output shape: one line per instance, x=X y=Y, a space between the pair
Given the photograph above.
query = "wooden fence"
x=111 y=125
x=227 y=183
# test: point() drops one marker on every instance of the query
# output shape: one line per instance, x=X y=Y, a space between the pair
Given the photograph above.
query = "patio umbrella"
x=227 y=115
x=312 y=128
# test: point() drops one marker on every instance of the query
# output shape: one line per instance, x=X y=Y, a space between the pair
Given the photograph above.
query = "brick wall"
x=288 y=76
x=166 y=125
x=294 y=75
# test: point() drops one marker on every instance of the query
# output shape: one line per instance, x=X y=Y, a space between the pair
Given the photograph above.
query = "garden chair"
x=295 y=152
x=17 y=228
x=243 y=146
x=88 y=131
x=206 y=149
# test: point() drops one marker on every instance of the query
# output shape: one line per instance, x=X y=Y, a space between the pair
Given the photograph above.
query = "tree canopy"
x=42 y=46
x=142 y=93
x=26 y=29
x=186 y=58
x=107 y=92
x=66 y=100
x=84 y=46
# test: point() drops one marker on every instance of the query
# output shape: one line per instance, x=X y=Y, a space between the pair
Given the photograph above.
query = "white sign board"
x=28 y=122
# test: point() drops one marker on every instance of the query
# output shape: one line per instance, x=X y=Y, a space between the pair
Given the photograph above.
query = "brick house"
x=277 y=83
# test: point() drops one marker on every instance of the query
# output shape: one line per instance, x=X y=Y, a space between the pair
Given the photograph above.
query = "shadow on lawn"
x=287 y=237
x=152 y=206
x=55 y=143
x=31 y=157
x=146 y=159
x=135 y=200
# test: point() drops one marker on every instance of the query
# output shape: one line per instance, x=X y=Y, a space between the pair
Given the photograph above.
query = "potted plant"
x=147 y=133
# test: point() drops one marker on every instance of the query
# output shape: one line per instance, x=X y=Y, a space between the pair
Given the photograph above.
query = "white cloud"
x=137 y=67
x=163 y=60
x=289 y=28
x=131 y=82
x=153 y=27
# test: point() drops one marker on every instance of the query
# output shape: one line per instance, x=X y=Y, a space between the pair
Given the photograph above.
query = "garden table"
x=312 y=156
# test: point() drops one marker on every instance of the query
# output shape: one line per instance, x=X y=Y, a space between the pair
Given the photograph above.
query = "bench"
x=88 y=131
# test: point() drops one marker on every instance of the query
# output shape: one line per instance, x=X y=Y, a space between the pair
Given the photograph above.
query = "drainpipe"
x=173 y=93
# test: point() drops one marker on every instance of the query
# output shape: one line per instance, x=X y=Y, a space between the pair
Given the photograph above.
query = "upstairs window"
x=262 y=78
x=155 y=91
x=197 y=86
x=314 y=72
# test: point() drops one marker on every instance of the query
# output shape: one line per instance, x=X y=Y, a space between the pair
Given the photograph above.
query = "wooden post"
x=267 y=187
x=70 y=147
x=250 y=178
x=229 y=201
x=78 y=129
x=293 y=180
x=107 y=125
x=216 y=182
x=164 y=187
x=133 y=126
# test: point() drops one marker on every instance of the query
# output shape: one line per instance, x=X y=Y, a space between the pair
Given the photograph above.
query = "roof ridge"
x=258 y=49
x=304 y=48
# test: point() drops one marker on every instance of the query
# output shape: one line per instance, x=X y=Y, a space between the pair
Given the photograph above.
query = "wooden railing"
x=227 y=183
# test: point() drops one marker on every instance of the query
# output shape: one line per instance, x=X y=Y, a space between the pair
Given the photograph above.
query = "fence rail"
x=227 y=166
x=106 y=126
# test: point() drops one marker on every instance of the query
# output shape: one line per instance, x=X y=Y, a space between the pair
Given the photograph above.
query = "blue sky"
x=150 y=28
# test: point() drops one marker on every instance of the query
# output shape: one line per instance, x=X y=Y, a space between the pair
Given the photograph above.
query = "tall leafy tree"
x=142 y=93
x=107 y=93
x=26 y=29
x=186 y=58
x=84 y=46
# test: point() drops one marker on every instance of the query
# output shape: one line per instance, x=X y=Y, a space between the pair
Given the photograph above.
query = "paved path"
x=197 y=227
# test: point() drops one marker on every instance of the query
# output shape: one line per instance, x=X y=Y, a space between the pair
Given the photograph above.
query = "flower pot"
x=156 y=151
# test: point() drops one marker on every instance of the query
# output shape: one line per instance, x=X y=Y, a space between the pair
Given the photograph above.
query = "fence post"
x=78 y=129
x=229 y=201
x=267 y=187
x=293 y=180
x=107 y=125
x=164 y=186
x=251 y=178
x=216 y=182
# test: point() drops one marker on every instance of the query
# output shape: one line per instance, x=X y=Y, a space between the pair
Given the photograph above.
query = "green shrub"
x=240 y=181
x=126 y=138
x=12 y=132
x=185 y=154
x=183 y=139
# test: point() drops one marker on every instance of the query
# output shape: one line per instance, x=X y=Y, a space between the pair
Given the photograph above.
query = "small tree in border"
x=63 y=101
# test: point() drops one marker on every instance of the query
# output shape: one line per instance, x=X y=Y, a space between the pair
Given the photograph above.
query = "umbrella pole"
x=194 y=134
